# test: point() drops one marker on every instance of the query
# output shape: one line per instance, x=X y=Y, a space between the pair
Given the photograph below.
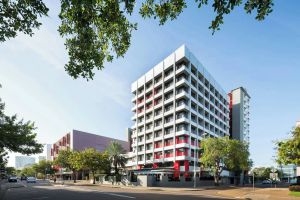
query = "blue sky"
x=264 y=57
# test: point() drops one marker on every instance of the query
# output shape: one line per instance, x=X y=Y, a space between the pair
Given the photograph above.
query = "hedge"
x=294 y=188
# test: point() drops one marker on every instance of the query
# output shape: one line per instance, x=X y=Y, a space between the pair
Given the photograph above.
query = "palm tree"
x=116 y=155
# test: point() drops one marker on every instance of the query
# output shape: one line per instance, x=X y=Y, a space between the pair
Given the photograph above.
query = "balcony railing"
x=181 y=153
x=182 y=141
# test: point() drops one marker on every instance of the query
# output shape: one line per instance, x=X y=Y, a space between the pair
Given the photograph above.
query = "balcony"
x=157 y=83
x=182 y=141
x=169 y=88
x=169 y=123
x=169 y=76
x=182 y=106
x=157 y=94
x=181 y=81
x=179 y=153
x=149 y=130
x=158 y=127
x=170 y=99
x=182 y=132
x=181 y=69
x=182 y=119
x=181 y=94
x=169 y=155
x=158 y=116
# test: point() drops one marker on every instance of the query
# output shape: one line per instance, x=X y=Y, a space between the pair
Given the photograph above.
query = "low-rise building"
x=79 y=140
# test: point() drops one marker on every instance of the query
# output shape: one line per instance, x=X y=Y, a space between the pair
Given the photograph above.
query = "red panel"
x=177 y=169
x=155 y=165
x=176 y=165
x=186 y=165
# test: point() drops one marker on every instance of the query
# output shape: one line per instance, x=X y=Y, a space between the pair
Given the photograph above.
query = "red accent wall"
x=186 y=165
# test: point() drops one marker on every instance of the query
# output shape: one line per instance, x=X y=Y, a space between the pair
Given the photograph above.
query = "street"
x=44 y=190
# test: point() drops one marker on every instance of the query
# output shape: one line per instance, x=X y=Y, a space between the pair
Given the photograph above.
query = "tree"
x=223 y=153
x=28 y=171
x=288 y=151
x=116 y=156
x=10 y=170
x=94 y=161
x=16 y=135
x=238 y=154
x=98 y=31
x=68 y=159
x=44 y=167
x=20 y=16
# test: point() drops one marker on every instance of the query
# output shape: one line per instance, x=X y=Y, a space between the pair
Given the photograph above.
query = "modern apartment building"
x=79 y=140
x=175 y=105
x=24 y=161
x=239 y=114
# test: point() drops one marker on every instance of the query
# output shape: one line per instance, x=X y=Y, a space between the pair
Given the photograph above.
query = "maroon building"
x=79 y=140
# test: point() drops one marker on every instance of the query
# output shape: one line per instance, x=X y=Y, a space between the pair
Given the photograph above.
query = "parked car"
x=12 y=179
x=23 y=178
x=31 y=180
x=266 y=182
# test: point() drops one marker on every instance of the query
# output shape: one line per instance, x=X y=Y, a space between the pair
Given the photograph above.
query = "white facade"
x=48 y=151
x=298 y=123
x=24 y=161
x=175 y=105
x=240 y=120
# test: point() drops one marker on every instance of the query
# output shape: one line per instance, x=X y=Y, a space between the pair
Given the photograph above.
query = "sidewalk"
x=222 y=191
x=3 y=187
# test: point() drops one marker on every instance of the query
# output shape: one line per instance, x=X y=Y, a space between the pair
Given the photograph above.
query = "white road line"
x=117 y=195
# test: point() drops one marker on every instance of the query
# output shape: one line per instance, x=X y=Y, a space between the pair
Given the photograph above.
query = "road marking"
x=117 y=195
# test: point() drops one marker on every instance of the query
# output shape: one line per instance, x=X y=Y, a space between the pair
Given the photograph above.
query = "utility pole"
x=253 y=181
x=195 y=160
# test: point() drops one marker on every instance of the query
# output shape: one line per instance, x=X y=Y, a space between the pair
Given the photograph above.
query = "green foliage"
x=116 y=155
x=288 y=151
x=16 y=135
x=223 y=153
x=44 y=167
x=94 y=161
x=20 y=16
x=262 y=173
x=70 y=160
x=28 y=171
x=64 y=159
x=10 y=170
x=96 y=31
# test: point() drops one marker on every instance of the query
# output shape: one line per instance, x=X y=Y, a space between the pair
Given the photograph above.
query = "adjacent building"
x=175 y=105
x=79 y=140
x=48 y=151
x=239 y=114
x=40 y=158
x=24 y=161
x=298 y=123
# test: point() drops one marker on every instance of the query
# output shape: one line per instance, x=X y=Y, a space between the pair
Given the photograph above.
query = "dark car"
x=12 y=179
x=23 y=178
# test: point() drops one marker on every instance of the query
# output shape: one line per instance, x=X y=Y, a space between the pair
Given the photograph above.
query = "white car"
x=31 y=180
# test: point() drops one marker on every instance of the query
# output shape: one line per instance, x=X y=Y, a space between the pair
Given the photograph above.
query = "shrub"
x=294 y=188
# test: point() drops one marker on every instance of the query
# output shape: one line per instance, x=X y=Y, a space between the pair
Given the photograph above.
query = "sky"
x=263 y=57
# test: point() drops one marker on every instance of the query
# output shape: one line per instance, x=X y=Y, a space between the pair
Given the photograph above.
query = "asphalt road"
x=46 y=191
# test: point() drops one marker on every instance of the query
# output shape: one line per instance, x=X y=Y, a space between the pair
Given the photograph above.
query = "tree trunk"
x=217 y=178
x=94 y=179
x=74 y=176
